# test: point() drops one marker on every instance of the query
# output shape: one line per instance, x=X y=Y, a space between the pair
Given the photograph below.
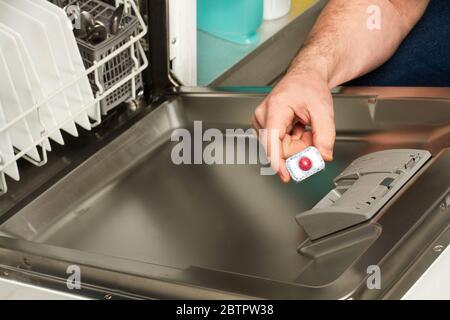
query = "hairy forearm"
x=342 y=46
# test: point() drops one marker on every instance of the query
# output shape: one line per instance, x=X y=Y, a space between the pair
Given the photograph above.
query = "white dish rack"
x=138 y=56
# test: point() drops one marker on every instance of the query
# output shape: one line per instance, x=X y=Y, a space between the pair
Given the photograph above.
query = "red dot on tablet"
x=305 y=164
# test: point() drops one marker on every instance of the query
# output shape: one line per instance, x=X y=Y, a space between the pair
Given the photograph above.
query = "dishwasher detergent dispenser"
x=362 y=190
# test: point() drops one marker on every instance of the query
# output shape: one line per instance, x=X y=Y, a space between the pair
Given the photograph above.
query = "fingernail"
x=326 y=154
x=284 y=178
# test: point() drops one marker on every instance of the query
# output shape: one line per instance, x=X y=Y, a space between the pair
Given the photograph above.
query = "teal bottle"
x=233 y=20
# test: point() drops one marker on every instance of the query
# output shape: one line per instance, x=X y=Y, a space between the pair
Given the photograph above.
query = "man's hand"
x=298 y=101
x=339 y=48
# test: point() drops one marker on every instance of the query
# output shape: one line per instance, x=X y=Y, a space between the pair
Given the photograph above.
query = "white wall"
x=183 y=40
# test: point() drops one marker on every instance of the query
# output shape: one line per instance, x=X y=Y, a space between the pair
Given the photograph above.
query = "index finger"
x=279 y=122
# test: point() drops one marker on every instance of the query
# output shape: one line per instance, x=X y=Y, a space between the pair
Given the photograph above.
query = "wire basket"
x=114 y=68
x=117 y=68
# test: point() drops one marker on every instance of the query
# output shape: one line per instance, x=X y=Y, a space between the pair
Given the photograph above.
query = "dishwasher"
x=112 y=203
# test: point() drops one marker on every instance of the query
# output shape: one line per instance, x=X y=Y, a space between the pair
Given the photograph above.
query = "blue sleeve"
x=423 y=59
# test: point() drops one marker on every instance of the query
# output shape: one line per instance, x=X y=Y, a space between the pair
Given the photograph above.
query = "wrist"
x=309 y=73
x=312 y=70
x=311 y=64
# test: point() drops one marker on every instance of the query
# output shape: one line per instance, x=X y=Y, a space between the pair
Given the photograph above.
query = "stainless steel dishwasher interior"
x=130 y=201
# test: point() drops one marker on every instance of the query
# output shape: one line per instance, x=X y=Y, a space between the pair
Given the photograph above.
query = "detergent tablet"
x=305 y=164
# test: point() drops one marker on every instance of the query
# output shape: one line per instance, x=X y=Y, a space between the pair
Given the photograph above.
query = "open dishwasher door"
x=139 y=225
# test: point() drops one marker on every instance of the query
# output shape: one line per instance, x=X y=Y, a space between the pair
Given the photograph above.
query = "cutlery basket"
x=117 y=68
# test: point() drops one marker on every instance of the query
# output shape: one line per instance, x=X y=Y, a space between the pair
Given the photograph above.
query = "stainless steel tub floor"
x=223 y=217
x=218 y=217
